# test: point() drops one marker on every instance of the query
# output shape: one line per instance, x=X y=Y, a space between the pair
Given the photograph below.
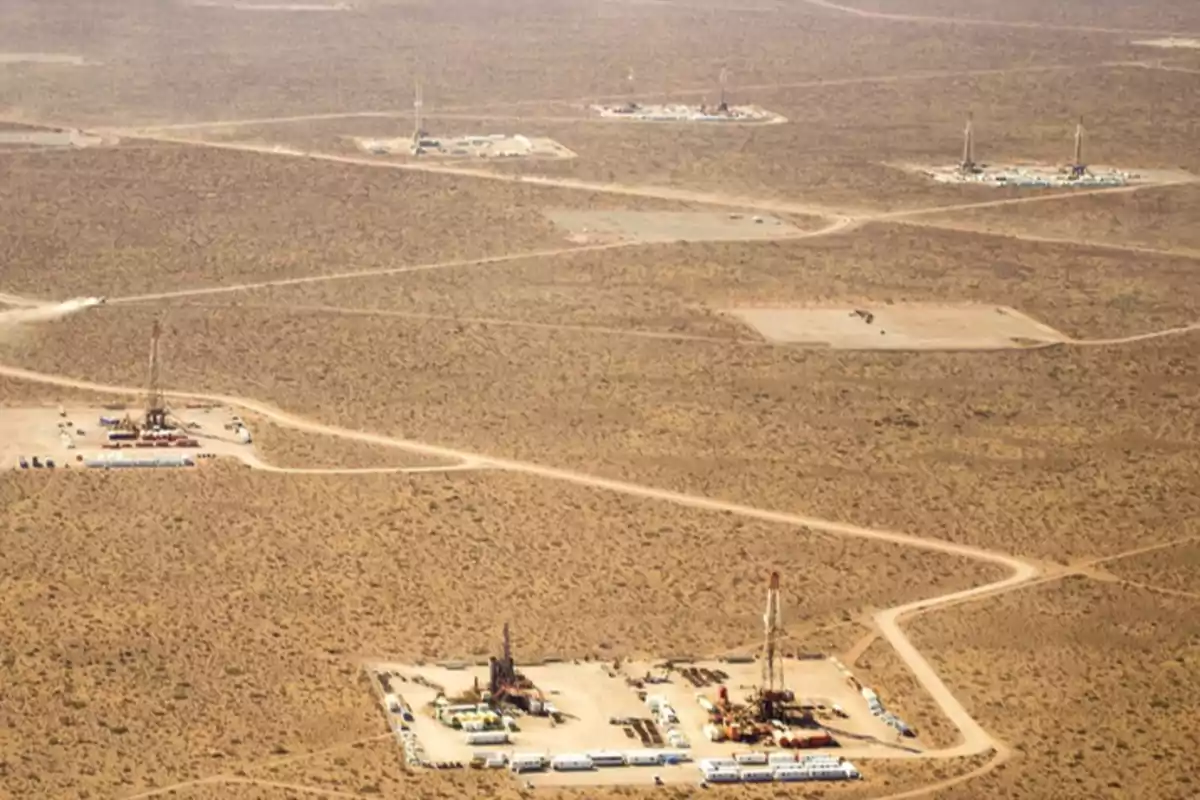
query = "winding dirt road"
x=835 y=225
x=975 y=739
x=994 y=23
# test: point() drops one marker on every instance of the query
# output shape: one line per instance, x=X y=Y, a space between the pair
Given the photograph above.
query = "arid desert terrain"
x=601 y=398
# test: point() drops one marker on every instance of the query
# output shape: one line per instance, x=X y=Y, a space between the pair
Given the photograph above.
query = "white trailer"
x=574 y=762
x=750 y=759
x=758 y=775
x=642 y=758
x=607 y=758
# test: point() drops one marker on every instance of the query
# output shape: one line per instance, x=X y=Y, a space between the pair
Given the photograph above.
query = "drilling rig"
x=1078 y=168
x=968 y=166
x=771 y=693
x=156 y=407
x=507 y=685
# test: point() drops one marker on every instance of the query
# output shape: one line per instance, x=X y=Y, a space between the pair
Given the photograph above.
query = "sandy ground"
x=153 y=645
x=1085 y=681
x=1152 y=219
x=663 y=226
x=246 y=642
x=1013 y=457
x=1084 y=292
x=29 y=432
x=899 y=327
x=592 y=693
x=1173 y=568
x=282 y=447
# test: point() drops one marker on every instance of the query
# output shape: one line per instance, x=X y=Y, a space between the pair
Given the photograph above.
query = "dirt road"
x=20 y=302
x=836 y=225
x=470 y=112
x=366 y=273
x=1046 y=26
x=631 y=333
x=975 y=739
x=943 y=225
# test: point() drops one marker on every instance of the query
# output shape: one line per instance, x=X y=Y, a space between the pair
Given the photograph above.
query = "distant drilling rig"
x=1078 y=168
x=967 y=165
x=156 y=406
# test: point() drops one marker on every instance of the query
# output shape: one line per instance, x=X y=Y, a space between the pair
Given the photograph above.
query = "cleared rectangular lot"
x=591 y=694
x=899 y=327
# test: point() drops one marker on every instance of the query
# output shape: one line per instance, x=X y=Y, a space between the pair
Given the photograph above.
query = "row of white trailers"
x=583 y=762
x=813 y=768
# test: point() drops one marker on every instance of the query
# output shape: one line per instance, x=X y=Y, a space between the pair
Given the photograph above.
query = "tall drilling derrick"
x=156 y=407
x=503 y=671
x=772 y=668
x=968 y=154
x=418 y=104
x=1078 y=168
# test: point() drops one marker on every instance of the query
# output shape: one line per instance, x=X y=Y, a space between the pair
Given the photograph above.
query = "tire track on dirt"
x=1022 y=24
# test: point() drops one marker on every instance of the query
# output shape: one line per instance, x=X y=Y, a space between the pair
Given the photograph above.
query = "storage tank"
x=487 y=737
x=607 y=758
x=574 y=762
x=243 y=435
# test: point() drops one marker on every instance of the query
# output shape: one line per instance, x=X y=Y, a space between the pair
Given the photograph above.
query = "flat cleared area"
x=899 y=327
x=482 y=146
x=745 y=115
x=42 y=58
x=946 y=443
x=1171 y=41
x=257 y=596
x=71 y=138
x=668 y=226
x=590 y=694
x=250 y=5
x=73 y=435
x=999 y=541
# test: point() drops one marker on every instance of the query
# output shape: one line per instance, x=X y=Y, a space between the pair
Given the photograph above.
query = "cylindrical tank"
x=487 y=737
